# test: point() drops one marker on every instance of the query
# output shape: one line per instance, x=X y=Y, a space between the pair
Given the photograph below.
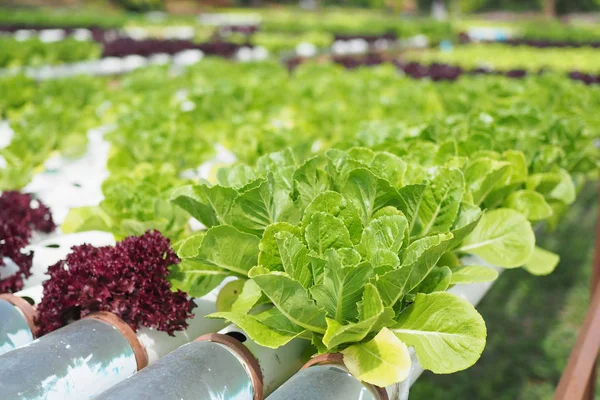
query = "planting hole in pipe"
x=29 y=300
x=52 y=246
x=76 y=184
x=239 y=336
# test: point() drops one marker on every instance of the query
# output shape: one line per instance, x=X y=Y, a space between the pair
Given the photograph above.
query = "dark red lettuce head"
x=25 y=210
x=19 y=215
x=13 y=238
x=128 y=280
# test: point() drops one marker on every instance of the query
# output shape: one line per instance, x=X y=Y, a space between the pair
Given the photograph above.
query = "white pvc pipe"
x=76 y=362
x=213 y=369
x=15 y=330
x=276 y=365
x=198 y=370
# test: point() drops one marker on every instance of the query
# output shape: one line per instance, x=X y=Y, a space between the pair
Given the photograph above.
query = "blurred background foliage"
x=559 y=7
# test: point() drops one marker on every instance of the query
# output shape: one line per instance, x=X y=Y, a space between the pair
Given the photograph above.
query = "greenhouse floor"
x=531 y=328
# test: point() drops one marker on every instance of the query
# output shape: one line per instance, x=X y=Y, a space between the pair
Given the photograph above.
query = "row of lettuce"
x=280 y=31
x=255 y=109
x=501 y=57
x=579 y=63
x=356 y=201
x=291 y=20
x=284 y=20
x=36 y=53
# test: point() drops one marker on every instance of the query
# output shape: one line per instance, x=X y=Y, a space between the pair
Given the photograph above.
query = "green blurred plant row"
x=501 y=57
x=35 y=53
x=282 y=29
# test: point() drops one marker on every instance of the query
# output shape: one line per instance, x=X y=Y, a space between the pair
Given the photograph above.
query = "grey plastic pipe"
x=225 y=365
x=74 y=362
x=16 y=322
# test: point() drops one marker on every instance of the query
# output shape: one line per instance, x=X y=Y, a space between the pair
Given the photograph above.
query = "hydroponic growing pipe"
x=224 y=365
x=325 y=377
x=88 y=356
x=17 y=326
x=75 y=362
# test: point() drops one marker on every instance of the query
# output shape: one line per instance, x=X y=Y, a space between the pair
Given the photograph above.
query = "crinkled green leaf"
x=269 y=329
x=409 y=202
x=483 y=175
x=387 y=212
x=134 y=227
x=333 y=203
x=448 y=150
x=529 y=203
x=438 y=280
x=310 y=180
x=368 y=193
x=392 y=285
x=415 y=175
x=342 y=287
x=372 y=313
x=422 y=255
x=547 y=155
x=269 y=256
x=553 y=185
x=236 y=176
x=226 y=247
x=468 y=217
x=210 y=205
x=190 y=246
x=389 y=167
x=196 y=278
x=326 y=232
x=384 y=233
x=261 y=206
x=518 y=165
x=294 y=258
x=339 y=165
x=383 y=258
x=441 y=201
x=281 y=165
x=349 y=256
x=362 y=154
x=317 y=266
x=292 y=299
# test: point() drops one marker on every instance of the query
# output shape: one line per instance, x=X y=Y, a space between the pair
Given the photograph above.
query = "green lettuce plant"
x=355 y=250
x=133 y=203
x=47 y=118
